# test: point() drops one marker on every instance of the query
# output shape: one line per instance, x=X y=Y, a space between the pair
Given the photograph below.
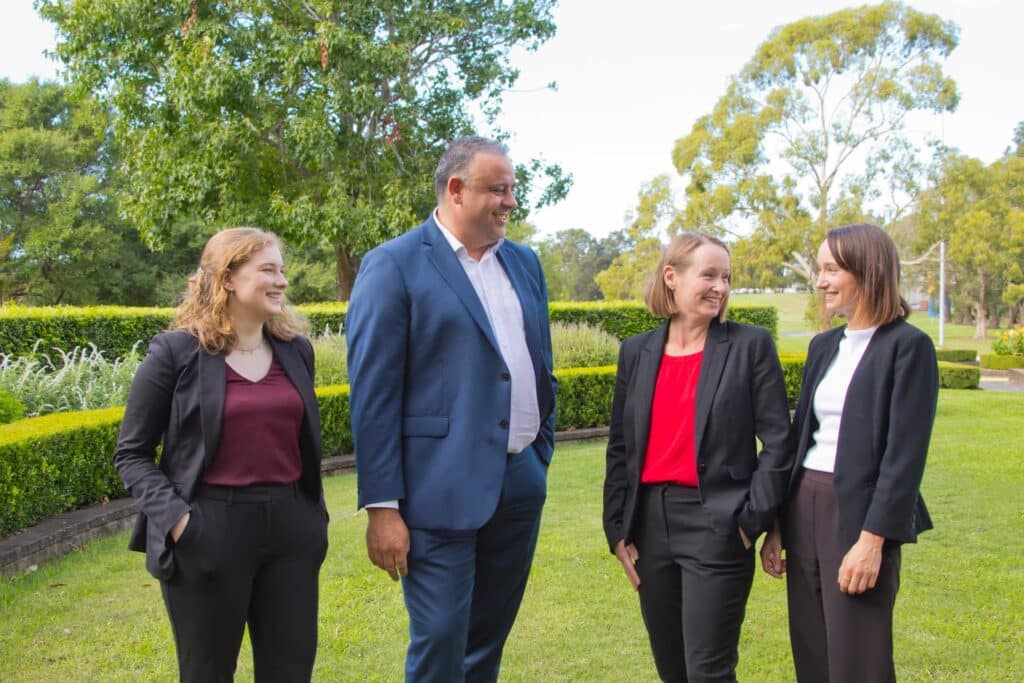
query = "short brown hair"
x=203 y=311
x=869 y=254
x=677 y=254
x=460 y=154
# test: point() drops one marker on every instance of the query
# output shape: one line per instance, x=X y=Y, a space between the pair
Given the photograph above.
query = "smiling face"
x=700 y=289
x=838 y=286
x=483 y=200
x=257 y=286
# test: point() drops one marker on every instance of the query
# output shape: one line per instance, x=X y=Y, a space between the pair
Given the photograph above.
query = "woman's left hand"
x=861 y=564
x=746 y=541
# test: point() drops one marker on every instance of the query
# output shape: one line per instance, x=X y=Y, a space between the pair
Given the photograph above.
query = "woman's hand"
x=859 y=569
x=628 y=556
x=179 y=527
x=745 y=539
x=771 y=552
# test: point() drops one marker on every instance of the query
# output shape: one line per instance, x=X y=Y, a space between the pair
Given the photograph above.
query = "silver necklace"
x=250 y=350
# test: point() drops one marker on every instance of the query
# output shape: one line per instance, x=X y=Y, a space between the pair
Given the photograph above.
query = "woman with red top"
x=685 y=492
x=232 y=517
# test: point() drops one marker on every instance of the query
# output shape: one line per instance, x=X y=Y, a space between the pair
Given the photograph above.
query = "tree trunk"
x=982 y=315
x=345 y=272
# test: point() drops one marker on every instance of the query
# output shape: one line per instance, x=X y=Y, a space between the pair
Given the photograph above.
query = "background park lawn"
x=96 y=615
x=795 y=331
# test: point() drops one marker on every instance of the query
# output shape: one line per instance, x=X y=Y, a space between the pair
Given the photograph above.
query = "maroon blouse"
x=259 y=435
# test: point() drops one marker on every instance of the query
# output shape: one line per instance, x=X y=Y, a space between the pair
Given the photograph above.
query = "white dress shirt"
x=830 y=397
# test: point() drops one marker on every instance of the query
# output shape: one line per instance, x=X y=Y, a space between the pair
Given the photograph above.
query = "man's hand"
x=771 y=553
x=859 y=569
x=628 y=556
x=387 y=541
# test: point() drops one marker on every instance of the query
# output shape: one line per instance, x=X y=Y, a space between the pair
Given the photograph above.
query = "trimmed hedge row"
x=115 y=329
x=995 y=361
x=957 y=376
x=957 y=355
x=55 y=463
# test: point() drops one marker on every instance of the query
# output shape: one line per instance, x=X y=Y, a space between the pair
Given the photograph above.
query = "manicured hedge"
x=957 y=355
x=626 y=318
x=957 y=376
x=994 y=361
x=793 y=371
x=115 y=329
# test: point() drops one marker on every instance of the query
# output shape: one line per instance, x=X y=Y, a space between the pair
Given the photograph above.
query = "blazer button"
x=503 y=424
x=505 y=376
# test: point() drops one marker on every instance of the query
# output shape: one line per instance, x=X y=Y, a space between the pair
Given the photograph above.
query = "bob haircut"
x=203 y=311
x=678 y=254
x=869 y=254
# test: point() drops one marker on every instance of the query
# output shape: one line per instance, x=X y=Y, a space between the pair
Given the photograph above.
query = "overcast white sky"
x=633 y=76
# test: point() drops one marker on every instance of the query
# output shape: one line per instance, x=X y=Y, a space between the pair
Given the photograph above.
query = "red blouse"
x=259 y=434
x=671 y=448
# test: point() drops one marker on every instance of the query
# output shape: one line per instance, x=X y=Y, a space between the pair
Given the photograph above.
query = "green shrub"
x=114 y=330
x=82 y=379
x=956 y=376
x=625 y=318
x=993 y=361
x=331 y=359
x=576 y=345
x=957 y=355
x=793 y=371
x=335 y=419
x=11 y=408
x=584 y=397
x=1010 y=342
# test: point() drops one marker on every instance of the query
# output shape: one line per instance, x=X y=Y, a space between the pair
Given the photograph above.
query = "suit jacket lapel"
x=443 y=258
x=646 y=377
x=212 y=385
x=716 y=352
x=528 y=300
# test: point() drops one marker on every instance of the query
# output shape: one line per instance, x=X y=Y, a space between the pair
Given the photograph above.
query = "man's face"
x=485 y=200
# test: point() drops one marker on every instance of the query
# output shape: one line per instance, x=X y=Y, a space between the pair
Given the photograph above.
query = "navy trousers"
x=464 y=587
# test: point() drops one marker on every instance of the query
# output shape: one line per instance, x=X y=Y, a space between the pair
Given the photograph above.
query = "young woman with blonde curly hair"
x=232 y=517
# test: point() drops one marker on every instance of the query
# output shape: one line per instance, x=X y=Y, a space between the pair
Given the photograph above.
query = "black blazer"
x=741 y=394
x=177 y=396
x=884 y=431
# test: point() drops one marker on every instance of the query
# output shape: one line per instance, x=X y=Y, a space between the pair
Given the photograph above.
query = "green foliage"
x=623 y=319
x=956 y=376
x=331 y=359
x=793 y=371
x=573 y=258
x=584 y=397
x=827 y=96
x=957 y=355
x=335 y=419
x=321 y=121
x=11 y=408
x=577 y=345
x=113 y=330
x=995 y=361
x=81 y=379
x=1010 y=342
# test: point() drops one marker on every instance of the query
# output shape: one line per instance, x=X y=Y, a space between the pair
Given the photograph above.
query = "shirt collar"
x=458 y=247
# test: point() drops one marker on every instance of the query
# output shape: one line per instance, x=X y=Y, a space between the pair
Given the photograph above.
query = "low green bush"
x=957 y=355
x=957 y=376
x=793 y=371
x=577 y=345
x=114 y=330
x=625 y=318
x=331 y=359
x=994 y=361
x=1010 y=342
x=11 y=408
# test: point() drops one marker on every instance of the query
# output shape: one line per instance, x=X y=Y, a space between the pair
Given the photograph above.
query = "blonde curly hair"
x=203 y=311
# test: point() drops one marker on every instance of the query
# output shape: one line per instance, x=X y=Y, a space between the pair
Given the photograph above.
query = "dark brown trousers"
x=836 y=638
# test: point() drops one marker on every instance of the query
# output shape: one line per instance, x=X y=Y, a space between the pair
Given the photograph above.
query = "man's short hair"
x=456 y=159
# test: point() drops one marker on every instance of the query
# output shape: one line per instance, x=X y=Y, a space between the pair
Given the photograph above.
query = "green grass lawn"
x=96 y=615
x=795 y=332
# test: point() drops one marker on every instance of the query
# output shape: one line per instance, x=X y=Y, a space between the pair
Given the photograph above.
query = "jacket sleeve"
x=915 y=391
x=377 y=328
x=146 y=418
x=616 y=480
x=545 y=442
x=771 y=426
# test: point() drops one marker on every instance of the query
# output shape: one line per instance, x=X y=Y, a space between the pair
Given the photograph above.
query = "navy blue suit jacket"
x=430 y=392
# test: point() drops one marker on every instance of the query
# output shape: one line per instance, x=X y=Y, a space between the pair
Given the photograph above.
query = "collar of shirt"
x=458 y=247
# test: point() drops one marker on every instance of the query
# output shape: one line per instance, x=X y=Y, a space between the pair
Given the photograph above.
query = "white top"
x=505 y=314
x=830 y=397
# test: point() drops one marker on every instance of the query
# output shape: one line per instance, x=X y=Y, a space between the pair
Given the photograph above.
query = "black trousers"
x=836 y=638
x=249 y=555
x=694 y=584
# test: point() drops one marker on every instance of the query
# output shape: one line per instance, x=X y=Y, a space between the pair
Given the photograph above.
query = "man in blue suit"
x=452 y=399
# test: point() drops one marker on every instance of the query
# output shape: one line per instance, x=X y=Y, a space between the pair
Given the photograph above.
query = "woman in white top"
x=861 y=433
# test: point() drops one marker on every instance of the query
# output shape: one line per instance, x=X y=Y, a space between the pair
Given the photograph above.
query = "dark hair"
x=657 y=295
x=456 y=159
x=869 y=254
